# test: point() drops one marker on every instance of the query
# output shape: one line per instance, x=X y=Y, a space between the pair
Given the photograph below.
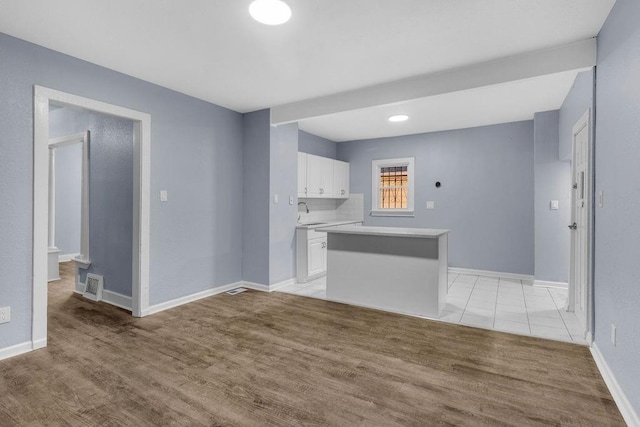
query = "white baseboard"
x=526 y=278
x=268 y=288
x=626 y=409
x=39 y=344
x=282 y=284
x=15 y=350
x=548 y=284
x=117 y=299
x=255 y=286
x=190 y=298
x=67 y=257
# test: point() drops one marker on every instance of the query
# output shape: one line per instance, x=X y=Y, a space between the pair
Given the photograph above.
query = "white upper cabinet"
x=302 y=174
x=321 y=177
x=340 y=179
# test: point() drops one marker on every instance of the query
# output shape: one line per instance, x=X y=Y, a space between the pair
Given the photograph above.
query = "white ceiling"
x=503 y=103
x=213 y=50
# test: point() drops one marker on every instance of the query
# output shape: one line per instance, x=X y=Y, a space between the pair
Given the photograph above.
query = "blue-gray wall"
x=196 y=154
x=283 y=216
x=110 y=192
x=68 y=196
x=255 y=194
x=552 y=182
x=317 y=145
x=486 y=197
x=617 y=237
x=578 y=100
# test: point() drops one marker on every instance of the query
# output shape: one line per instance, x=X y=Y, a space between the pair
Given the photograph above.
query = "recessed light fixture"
x=399 y=118
x=270 y=12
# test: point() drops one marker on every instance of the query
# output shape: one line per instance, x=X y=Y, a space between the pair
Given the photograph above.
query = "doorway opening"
x=43 y=97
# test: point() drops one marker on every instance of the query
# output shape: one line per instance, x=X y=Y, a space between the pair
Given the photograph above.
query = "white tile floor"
x=493 y=303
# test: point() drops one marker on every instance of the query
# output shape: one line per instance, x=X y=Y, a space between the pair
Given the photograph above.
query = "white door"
x=341 y=180
x=302 y=175
x=580 y=226
x=316 y=252
x=326 y=189
x=314 y=176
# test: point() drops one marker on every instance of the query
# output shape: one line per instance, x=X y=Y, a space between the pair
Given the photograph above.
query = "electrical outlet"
x=163 y=195
x=613 y=334
x=5 y=314
x=275 y=198
x=431 y=204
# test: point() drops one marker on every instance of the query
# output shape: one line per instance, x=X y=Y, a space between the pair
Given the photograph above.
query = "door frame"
x=583 y=122
x=141 y=200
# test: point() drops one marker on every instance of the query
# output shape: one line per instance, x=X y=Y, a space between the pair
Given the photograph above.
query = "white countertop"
x=388 y=231
x=326 y=224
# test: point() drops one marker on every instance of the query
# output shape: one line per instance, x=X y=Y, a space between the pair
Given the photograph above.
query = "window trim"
x=376 y=165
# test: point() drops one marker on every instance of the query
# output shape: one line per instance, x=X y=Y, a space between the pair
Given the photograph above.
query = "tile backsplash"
x=325 y=210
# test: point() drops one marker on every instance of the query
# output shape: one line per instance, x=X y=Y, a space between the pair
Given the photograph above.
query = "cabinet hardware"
x=573 y=226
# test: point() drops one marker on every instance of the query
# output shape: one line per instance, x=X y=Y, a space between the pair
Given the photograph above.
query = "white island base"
x=402 y=270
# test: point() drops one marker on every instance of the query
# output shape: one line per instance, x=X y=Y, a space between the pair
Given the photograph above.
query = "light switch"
x=601 y=199
x=554 y=205
x=431 y=204
x=163 y=195
x=275 y=198
x=291 y=200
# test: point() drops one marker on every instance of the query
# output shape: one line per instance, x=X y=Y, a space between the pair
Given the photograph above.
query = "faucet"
x=305 y=205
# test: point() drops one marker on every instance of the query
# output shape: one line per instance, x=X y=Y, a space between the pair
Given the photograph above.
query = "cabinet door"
x=314 y=176
x=316 y=256
x=302 y=175
x=340 y=180
x=326 y=190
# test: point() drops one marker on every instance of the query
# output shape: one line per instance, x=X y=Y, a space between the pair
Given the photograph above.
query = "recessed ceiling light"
x=270 y=12
x=399 y=118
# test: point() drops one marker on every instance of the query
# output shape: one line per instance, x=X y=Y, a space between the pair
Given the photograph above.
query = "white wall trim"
x=549 y=284
x=626 y=409
x=15 y=350
x=67 y=257
x=190 y=298
x=39 y=344
x=268 y=288
x=142 y=199
x=282 y=284
x=114 y=298
x=255 y=286
x=571 y=56
x=527 y=279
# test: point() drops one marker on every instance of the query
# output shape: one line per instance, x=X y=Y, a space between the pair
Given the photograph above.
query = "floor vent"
x=93 y=289
x=236 y=291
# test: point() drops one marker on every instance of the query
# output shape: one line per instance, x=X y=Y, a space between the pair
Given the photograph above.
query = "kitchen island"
x=402 y=270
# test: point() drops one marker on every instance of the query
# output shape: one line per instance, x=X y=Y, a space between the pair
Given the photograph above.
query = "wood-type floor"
x=259 y=359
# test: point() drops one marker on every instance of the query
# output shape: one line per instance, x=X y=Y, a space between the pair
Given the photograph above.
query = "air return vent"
x=93 y=289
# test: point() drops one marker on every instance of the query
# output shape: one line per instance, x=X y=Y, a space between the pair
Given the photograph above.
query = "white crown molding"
x=624 y=405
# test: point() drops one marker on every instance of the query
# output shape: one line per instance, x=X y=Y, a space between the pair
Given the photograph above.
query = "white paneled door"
x=581 y=202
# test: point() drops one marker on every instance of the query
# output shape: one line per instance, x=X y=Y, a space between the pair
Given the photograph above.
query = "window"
x=392 y=187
